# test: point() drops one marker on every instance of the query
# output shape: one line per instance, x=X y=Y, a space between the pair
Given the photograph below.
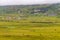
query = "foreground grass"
x=30 y=33
x=29 y=30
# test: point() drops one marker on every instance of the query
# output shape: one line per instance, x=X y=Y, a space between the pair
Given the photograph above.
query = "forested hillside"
x=53 y=9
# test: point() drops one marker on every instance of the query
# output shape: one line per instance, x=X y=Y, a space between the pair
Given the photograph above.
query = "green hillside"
x=26 y=9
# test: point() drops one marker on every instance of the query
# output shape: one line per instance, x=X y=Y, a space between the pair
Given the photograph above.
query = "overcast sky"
x=20 y=2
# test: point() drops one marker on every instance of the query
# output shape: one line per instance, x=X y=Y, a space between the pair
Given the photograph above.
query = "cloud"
x=13 y=2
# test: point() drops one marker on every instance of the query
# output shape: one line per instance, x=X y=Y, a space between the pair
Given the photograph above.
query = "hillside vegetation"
x=30 y=22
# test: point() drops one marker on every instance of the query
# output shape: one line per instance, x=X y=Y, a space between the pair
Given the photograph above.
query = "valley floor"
x=30 y=33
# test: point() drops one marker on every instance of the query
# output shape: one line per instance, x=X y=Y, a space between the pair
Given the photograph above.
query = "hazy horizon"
x=27 y=2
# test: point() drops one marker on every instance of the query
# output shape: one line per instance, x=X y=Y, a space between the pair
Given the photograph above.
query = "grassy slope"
x=29 y=31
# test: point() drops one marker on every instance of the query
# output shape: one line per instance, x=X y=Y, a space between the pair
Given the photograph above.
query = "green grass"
x=33 y=28
x=30 y=33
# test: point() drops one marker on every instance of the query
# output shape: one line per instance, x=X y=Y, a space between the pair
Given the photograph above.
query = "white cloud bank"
x=17 y=2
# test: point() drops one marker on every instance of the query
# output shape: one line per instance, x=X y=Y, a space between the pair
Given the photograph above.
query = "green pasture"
x=31 y=28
